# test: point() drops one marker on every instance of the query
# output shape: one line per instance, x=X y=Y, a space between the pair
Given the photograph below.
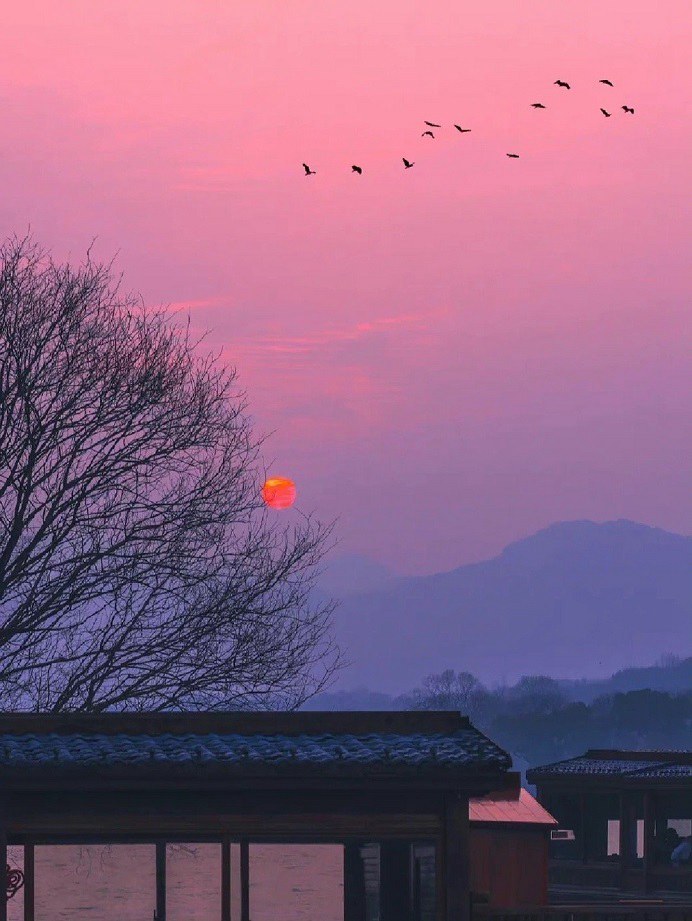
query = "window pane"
x=613 y=837
x=100 y=882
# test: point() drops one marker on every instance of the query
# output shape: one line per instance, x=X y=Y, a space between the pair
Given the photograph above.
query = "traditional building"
x=393 y=785
x=510 y=838
x=628 y=810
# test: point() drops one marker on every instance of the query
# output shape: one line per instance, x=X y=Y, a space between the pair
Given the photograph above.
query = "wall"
x=510 y=865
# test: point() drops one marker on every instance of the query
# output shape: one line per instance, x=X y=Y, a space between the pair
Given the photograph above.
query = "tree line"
x=538 y=722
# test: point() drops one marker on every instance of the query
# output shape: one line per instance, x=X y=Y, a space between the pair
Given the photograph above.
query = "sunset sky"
x=449 y=357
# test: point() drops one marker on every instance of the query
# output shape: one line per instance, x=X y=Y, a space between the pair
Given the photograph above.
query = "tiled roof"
x=464 y=750
x=515 y=807
x=619 y=765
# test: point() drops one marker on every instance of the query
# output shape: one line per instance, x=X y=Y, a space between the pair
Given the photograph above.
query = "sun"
x=279 y=492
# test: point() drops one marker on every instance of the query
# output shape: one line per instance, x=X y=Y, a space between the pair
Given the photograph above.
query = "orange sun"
x=279 y=492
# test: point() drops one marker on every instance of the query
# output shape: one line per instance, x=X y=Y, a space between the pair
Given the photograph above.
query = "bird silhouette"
x=513 y=156
x=427 y=134
x=537 y=105
x=432 y=124
x=628 y=109
x=407 y=163
x=562 y=83
x=607 y=82
x=607 y=114
x=357 y=169
x=462 y=130
x=308 y=171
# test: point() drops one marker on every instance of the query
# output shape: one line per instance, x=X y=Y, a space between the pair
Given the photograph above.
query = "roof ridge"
x=236 y=721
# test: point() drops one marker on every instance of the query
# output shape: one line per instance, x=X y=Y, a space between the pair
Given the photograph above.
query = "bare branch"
x=138 y=566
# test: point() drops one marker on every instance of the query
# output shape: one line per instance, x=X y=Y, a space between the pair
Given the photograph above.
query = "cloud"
x=198 y=304
x=332 y=339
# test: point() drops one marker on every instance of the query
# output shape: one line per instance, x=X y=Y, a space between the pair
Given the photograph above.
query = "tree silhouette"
x=138 y=566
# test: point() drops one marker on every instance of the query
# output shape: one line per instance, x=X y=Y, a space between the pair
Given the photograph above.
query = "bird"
x=357 y=169
x=628 y=109
x=607 y=82
x=407 y=163
x=562 y=83
x=513 y=156
x=537 y=105
x=607 y=114
x=308 y=171
x=432 y=124
x=427 y=134
x=462 y=130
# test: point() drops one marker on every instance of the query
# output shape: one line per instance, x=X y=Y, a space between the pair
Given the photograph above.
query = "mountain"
x=352 y=573
x=671 y=676
x=576 y=600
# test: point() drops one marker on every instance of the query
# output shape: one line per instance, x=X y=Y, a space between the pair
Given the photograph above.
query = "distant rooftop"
x=612 y=764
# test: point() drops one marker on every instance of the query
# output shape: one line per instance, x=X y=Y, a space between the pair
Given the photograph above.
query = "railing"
x=622 y=911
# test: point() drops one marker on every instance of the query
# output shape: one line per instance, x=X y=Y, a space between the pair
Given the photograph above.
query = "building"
x=628 y=810
x=391 y=785
x=510 y=838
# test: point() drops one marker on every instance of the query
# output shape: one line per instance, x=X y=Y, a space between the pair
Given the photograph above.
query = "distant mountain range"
x=673 y=677
x=578 y=600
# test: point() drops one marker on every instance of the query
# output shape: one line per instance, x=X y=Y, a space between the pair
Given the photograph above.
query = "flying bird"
x=607 y=82
x=607 y=114
x=537 y=105
x=562 y=83
x=628 y=109
x=513 y=156
x=432 y=124
x=407 y=163
x=357 y=169
x=462 y=130
x=308 y=171
x=427 y=134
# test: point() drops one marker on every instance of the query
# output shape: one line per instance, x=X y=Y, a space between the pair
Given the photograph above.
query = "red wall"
x=510 y=865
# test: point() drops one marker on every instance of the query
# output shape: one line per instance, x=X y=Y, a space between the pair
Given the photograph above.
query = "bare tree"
x=138 y=566
x=449 y=690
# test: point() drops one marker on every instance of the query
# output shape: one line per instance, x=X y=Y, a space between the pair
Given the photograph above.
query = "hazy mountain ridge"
x=575 y=600
x=673 y=677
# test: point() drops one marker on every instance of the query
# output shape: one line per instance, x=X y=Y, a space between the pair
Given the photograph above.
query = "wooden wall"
x=510 y=865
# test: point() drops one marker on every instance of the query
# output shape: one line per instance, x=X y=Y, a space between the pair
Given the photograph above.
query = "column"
x=395 y=882
x=226 y=878
x=29 y=882
x=649 y=844
x=3 y=864
x=455 y=844
x=244 y=881
x=354 y=883
x=583 y=828
x=160 y=881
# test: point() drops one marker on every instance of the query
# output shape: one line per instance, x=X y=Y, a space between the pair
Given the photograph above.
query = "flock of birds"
x=628 y=110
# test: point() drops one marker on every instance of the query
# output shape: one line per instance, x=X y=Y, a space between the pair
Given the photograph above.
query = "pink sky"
x=450 y=356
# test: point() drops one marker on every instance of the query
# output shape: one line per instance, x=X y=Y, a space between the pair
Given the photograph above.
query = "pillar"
x=3 y=864
x=583 y=828
x=244 y=881
x=649 y=833
x=29 y=882
x=160 y=881
x=395 y=881
x=354 y=883
x=455 y=859
x=225 y=878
